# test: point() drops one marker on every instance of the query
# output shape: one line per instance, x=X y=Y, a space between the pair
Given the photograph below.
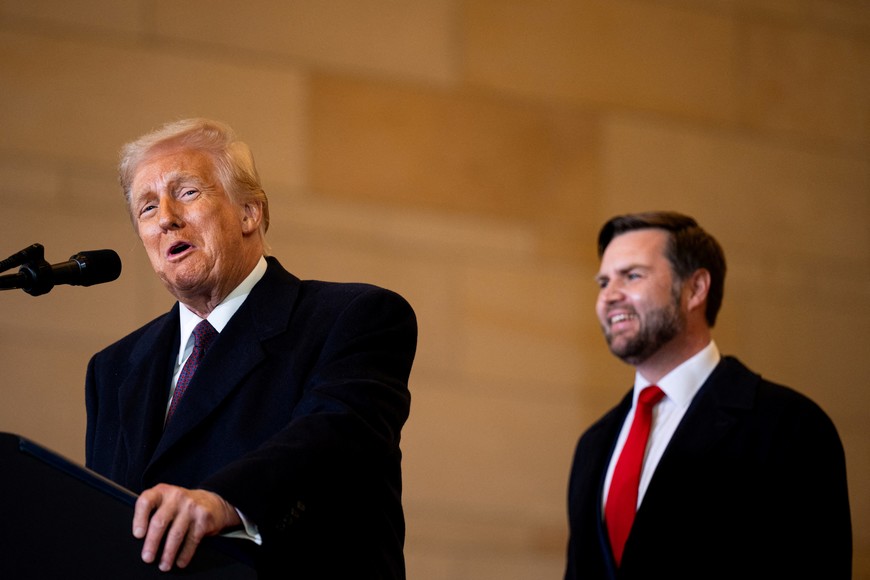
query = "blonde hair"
x=233 y=159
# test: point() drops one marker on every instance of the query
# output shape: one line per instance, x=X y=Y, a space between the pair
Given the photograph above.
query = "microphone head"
x=96 y=267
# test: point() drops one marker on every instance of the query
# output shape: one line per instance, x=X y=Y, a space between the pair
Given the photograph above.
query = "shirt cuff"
x=250 y=532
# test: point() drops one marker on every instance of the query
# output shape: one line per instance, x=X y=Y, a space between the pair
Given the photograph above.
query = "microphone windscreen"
x=97 y=266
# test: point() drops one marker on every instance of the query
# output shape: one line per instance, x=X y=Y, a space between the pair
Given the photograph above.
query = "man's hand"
x=184 y=517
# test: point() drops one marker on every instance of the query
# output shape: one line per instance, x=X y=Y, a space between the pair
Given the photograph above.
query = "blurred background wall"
x=464 y=153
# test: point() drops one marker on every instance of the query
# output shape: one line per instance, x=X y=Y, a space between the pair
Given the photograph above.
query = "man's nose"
x=170 y=217
x=612 y=292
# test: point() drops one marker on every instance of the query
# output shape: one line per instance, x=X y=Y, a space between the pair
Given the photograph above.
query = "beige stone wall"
x=464 y=153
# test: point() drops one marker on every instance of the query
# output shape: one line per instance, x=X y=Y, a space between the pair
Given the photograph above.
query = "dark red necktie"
x=203 y=335
x=622 y=497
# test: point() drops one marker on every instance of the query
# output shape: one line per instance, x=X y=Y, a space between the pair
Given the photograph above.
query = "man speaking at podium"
x=260 y=405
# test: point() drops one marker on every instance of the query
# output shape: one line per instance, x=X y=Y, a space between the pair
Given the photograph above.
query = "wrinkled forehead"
x=167 y=168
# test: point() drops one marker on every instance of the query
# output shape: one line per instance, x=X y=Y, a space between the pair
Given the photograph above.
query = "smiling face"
x=640 y=304
x=200 y=243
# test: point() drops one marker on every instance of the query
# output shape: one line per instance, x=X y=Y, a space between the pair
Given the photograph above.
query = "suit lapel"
x=723 y=398
x=717 y=408
x=604 y=445
x=604 y=442
x=142 y=396
x=589 y=547
x=727 y=394
x=235 y=353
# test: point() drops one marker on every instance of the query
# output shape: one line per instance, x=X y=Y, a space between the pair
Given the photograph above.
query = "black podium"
x=61 y=520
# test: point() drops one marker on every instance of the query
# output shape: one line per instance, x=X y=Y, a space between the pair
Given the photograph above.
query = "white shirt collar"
x=220 y=316
x=681 y=384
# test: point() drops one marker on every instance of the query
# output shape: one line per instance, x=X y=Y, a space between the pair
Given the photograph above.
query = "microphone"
x=82 y=269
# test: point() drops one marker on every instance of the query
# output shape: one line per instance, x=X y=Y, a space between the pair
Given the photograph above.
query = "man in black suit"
x=288 y=432
x=731 y=476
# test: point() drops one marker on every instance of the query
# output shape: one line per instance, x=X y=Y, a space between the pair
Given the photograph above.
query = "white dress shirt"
x=680 y=387
x=218 y=318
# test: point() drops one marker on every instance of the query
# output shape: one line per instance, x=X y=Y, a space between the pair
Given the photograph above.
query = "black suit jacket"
x=752 y=485
x=294 y=417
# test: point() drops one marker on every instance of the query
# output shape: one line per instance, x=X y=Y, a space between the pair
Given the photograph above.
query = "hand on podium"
x=184 y=517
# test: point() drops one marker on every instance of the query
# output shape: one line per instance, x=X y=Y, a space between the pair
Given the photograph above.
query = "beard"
x=657 y=328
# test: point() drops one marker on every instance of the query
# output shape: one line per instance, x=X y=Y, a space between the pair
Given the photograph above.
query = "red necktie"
x=622 y=497
x=203 y=335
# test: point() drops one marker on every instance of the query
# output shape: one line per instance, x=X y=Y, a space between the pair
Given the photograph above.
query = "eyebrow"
x=173 y=178
x=170 y=180
x=622 y=271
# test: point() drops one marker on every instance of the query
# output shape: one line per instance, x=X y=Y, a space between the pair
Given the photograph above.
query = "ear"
x=251 y=217
x=697 y=287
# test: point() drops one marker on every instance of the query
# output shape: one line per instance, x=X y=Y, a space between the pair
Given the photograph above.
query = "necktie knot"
x=650 y=396
x=203 y=335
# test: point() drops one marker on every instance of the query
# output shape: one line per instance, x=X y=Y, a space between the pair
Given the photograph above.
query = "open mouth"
x=617 y=322
x=620 y=318
x=179 y=248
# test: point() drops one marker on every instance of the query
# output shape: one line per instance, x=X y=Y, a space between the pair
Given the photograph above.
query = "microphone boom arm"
x=30 y=253
x=34 y=276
